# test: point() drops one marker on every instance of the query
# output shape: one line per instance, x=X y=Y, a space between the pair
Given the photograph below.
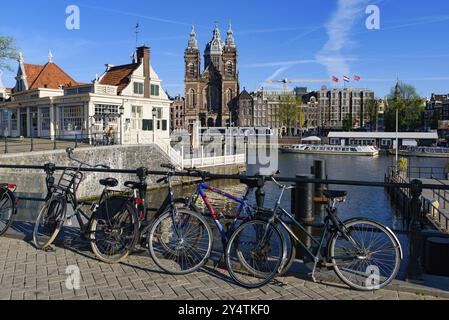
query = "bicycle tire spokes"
x=254 y=254
x=370 y=260
x=180 y=244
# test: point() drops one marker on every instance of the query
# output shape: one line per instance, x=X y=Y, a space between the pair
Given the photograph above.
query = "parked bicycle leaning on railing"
x=8 y=206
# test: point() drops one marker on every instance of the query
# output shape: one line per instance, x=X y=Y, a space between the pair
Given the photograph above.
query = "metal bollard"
x=414 y=270
x=303 y=209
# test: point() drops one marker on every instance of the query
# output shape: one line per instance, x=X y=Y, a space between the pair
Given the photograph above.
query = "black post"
x=6 y=145
x=32 y=144
x=319 y=170
x=76 y=141
x=260 y=194
x=303 y=209
x=414 y=271
x=54 y=144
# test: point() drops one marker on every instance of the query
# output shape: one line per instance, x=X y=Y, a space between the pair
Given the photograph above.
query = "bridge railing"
x=414 y=189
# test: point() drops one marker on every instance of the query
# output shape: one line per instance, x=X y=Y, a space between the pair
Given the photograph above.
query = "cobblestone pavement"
x=26 y=273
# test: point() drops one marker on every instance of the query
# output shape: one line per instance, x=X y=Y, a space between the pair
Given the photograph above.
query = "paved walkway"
x=26 y=273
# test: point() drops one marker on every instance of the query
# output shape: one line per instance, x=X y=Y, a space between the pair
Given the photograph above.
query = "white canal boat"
x=368 y=151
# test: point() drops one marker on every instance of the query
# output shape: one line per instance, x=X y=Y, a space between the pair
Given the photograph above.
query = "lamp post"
x=121 y=113
x=154 y=125
x=106 y=114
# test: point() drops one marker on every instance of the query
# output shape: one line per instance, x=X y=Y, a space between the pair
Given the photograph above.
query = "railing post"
x=76 y=141
x=6 y=145
x=32 y=145
x=54 y=144
x=414 y=271
x=303 y=209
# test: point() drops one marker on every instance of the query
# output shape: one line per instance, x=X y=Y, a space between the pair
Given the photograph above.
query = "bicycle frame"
x=243 y=207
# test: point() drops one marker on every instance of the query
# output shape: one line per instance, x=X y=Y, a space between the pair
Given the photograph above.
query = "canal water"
x=362 y=201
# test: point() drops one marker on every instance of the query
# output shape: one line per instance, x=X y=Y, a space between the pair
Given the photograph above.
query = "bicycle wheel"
x=49 y=222
x=254 y=253
x=7 y=210
x=367 y=257
x=112 y=239
x=180 y=244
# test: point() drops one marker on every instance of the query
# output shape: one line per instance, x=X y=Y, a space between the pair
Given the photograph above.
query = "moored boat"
x=370 y=151
x=424 y=152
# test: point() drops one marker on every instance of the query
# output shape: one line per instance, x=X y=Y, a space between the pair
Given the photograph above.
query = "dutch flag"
x=346 y=79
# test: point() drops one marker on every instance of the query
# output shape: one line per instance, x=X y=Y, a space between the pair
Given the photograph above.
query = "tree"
x=348 y=124
x=373 y=112
x=290 y=112
x=410 y=107
x=8 y=51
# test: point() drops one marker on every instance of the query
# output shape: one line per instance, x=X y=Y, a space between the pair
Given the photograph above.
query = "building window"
x=100 y=109
x=14 y=120
x=72 y=118
x=138 y=88
x=136 y=117
x=155 y=90
x=192 y=70
x=192 y=98
x=229 y=68
x=147 y=125
x=45 y=119
x=335 y=141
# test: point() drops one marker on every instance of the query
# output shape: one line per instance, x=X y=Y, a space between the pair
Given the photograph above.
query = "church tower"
x=210 y=94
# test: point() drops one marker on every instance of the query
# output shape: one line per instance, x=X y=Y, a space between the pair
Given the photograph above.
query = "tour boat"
x=370 y=151
x=424 y=152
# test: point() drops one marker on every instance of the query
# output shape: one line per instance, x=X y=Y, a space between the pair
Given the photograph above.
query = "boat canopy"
x=312 y=139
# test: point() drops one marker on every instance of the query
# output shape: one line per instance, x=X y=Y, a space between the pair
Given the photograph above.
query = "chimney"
x=143 y=57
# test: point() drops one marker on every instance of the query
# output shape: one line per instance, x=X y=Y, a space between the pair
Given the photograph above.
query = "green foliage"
x=348 y=124
x=8 y=52
x=290 y=112
x=403 y=164
x=410 y=107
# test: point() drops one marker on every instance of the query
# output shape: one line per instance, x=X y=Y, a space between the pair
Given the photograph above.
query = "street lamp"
x=121 y=111
x=154 y=125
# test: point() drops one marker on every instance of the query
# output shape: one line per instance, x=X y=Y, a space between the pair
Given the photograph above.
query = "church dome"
x=216 y=45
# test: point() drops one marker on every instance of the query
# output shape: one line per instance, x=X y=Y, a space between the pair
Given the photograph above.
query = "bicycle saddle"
x=133 y=185
x=253 y=183
x=109 y=182
x=335 y=195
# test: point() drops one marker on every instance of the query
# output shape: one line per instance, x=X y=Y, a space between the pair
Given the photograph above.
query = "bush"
x=403 y=165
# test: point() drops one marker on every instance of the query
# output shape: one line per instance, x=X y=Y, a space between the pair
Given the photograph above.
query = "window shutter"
x=164 y=125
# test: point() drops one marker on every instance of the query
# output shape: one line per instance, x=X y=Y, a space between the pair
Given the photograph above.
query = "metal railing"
x=414 y=189
x=24 y=145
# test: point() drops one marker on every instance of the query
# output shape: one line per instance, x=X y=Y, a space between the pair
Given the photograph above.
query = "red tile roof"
x=49 y=76
x=119 y=76
x=8 y=90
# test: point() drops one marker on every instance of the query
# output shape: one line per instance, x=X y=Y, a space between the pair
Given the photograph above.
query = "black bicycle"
x=168 y=235
x=53 y=214
x=363 y=253
x=8 y=206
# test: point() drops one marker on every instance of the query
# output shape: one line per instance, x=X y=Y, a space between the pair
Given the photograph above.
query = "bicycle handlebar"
x=70 y=152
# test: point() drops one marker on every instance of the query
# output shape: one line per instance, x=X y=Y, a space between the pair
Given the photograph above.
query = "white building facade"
x=127 y=103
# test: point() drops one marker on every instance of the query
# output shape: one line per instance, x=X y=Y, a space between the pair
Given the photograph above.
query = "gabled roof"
x=49 y=76
x=245 y=95
x=119 y=76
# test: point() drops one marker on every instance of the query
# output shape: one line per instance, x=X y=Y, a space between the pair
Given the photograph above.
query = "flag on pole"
x=357 y=78
x=346 y=79
x=335 y=79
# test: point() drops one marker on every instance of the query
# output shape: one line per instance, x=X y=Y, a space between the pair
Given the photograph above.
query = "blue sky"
x=293 y=39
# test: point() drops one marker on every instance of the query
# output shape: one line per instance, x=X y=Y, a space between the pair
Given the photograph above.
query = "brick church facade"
x=211 y=93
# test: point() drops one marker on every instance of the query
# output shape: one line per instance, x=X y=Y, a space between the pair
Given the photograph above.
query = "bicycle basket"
x=70 y=181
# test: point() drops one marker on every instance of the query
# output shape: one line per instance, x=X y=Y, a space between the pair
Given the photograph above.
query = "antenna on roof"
x=137 y=31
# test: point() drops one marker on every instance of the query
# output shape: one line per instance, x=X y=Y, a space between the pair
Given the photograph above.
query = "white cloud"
x=339 y=30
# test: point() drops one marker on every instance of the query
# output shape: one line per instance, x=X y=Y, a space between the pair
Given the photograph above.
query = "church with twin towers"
x=211 y=92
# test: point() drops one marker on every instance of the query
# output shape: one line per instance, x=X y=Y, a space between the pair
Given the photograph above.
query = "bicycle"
x=8 y=206
x=169 y=229
x=364 y=254
x=245 y=211
x=53 y=214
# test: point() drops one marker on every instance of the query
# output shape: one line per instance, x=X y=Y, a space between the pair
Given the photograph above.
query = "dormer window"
x=138 y=88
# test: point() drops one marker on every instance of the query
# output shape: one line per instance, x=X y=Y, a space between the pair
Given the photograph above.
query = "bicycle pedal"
x=50 y=249
x=69 y=222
